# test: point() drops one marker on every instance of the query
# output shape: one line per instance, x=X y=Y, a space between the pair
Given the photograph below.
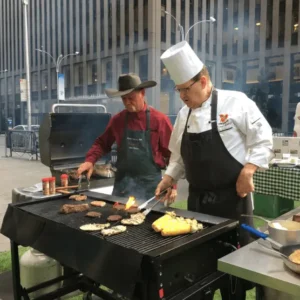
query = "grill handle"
x=78 y=105
x=190 y=278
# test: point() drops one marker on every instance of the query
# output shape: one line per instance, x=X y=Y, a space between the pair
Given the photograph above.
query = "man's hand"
x=172 y=197
x=164 y=184
x=86 y=167
x=244 y=184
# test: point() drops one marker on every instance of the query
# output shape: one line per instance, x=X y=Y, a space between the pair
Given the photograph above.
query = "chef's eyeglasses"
x=184 y=90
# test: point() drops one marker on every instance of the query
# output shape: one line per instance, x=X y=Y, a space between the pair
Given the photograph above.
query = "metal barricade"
x=22 y=141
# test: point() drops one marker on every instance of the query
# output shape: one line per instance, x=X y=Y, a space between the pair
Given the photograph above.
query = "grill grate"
x=141 y=238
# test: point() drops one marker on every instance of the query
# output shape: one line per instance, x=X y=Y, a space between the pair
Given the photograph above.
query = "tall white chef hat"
x=181 y=62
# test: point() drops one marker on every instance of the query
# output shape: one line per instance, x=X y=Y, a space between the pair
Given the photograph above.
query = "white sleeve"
x=258 y=133
x=176 y=168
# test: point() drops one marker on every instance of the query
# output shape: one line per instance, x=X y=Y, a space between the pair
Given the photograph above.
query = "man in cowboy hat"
x=142 y=134
x=220 y=139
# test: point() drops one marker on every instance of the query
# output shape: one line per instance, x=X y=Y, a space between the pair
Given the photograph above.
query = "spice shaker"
x=46 y=186
x=52 y=185
x=64 y=180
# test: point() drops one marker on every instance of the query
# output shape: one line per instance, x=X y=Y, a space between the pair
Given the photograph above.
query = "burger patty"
x=114 y=218
x=133 y=210
x=119 y=206
x=93 y=214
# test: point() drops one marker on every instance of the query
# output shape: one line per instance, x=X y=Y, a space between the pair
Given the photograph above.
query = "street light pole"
x=211 y=20
x=25 y=9
x=180 y=28
x=57 y=65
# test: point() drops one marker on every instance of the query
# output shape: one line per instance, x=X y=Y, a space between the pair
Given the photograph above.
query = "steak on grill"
x=98 y=203
x=80 y=197
x=73 y=208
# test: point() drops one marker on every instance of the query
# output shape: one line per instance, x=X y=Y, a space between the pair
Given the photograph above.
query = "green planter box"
x=271 y=206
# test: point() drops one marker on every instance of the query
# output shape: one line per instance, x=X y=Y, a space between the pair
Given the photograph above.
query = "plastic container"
x=64 y=180
x=46 y=186
x=271 y=206
x=35 y=268
x=52 y=185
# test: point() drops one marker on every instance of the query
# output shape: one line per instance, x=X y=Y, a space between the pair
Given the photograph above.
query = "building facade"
x=254 y=46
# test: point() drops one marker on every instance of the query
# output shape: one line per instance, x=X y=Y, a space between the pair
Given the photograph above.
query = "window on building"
x=295 y=23
x=127 y=20
x=125 y=65
x=9 y=85
x=78 y=74
x=110 y=17
x=34 y=82
x=281 y=21
x=257 y=26
x=66 y=72
x=92 y=73
x=44 y=80
x=163 y=21
x=17 y=84
x=269 y=24
x=143 y=67
x=145 y=20
x=136 y=20
x=102 y=25
x=118 y=23
x=3 y=86
x=53 y=78
x=109 y=74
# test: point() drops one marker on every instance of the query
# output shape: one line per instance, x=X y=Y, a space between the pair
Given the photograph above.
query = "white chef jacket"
x=244 y=131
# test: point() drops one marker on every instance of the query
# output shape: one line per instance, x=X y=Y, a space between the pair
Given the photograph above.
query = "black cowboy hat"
x=128 y=83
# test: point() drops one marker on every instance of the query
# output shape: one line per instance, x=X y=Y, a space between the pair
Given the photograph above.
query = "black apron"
x=212 y=174
x=137 y=174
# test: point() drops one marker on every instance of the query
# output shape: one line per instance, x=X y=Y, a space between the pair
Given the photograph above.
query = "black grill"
x=139 y=264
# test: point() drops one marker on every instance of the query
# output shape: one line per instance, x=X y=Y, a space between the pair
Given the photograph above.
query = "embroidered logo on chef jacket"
x=225 y=123
x=223 y=118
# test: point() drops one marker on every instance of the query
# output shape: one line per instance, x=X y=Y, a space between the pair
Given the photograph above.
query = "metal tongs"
x=147 y=211
x=151 y=199
x=80 y=182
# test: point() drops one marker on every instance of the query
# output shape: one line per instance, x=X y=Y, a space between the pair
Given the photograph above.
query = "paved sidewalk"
x=16 y=172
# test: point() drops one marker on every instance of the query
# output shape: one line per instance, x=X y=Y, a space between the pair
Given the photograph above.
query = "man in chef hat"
x=219 y=140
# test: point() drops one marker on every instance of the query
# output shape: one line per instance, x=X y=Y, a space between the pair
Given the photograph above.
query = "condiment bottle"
x=46 y=186
x=52 y=185
x=64 y=180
